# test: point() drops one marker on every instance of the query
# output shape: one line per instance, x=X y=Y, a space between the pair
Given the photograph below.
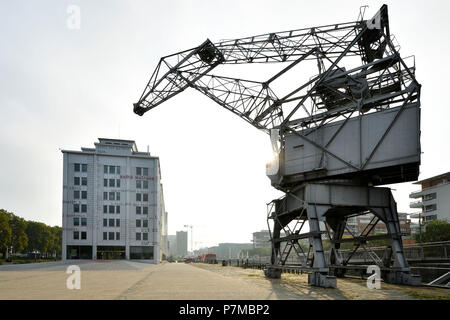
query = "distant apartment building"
x=356 y=225
x=113 y=203
x=433 y=199
x=182 y=243
x=261 y=239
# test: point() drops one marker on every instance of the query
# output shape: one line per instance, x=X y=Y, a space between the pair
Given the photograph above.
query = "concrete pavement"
x=126 y=280
x=171 y=281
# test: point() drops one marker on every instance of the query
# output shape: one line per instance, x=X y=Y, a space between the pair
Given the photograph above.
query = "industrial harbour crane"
x=354 y=124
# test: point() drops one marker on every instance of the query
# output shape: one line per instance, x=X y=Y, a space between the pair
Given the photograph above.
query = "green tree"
x=5 y=231
x=262 y=252
x=55 y=241
x=437 y=230
x=39 y=237
x=19 y=239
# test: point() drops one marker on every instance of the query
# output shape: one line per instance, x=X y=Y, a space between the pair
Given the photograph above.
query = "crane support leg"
x=327 y=207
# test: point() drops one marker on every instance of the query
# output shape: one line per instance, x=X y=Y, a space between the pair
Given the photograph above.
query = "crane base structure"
x=325 y=207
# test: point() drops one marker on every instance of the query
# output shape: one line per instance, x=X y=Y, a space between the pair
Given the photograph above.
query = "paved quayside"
x=168 y=281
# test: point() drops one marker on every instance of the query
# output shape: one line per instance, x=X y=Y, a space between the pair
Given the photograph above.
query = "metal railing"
x=420 y=252
x=416 y=203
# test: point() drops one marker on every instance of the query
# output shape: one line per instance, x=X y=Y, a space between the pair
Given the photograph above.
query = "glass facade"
x=79 y=252
x=141 y=252
x=111 y=252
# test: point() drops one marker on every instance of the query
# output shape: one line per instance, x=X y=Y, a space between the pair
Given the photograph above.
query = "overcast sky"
x=63 y=88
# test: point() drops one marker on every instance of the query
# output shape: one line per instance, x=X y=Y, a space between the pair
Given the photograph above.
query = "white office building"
x=182 y=243
x=433 y=199
x=113 y=203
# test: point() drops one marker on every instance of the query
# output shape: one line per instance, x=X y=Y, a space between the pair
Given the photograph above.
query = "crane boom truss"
x=380 y=80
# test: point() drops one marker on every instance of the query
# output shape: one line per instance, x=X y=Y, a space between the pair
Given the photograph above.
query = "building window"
x=430 y=218
x=138 y=223
x=112 y=196
x=76 y=194
x=111 y=209
x=76 y=167
x=105 y=195
x=112 y=183
x=138 y=184
x=105 y=169
x=117 y=209
x=84 y=208
x=431 y=207
x=76 y=207
x=429 y=196
x=111 y=236
x=118 y=170
x=84 y=221
x=76 y=181
x=105 y=222
x=138 y=236
x=145 y=210
x=145 y=236
x=145 y=195
x=112 y=169
x=84 y=167
x=117 y=235
x=105 y=182
x=138 y=197
x=118 y=196
x=145 y=184
x=83 y=235
x=105 y=209
x=118 y=183
x=138 y=210
x=105 y=236
x=76 y=221
x=142 y=171
x=117 y=222
x=76 y=235
x=145 y=223
x=83 y=194
x=111 y=222
x=84 y=181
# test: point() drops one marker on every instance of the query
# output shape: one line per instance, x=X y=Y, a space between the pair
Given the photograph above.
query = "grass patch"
x=427 y=296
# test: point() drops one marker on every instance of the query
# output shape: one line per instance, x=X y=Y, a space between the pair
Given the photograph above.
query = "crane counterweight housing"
x=353 y=125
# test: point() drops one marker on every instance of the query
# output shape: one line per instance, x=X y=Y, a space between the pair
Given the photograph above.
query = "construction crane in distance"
x=352 y=125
